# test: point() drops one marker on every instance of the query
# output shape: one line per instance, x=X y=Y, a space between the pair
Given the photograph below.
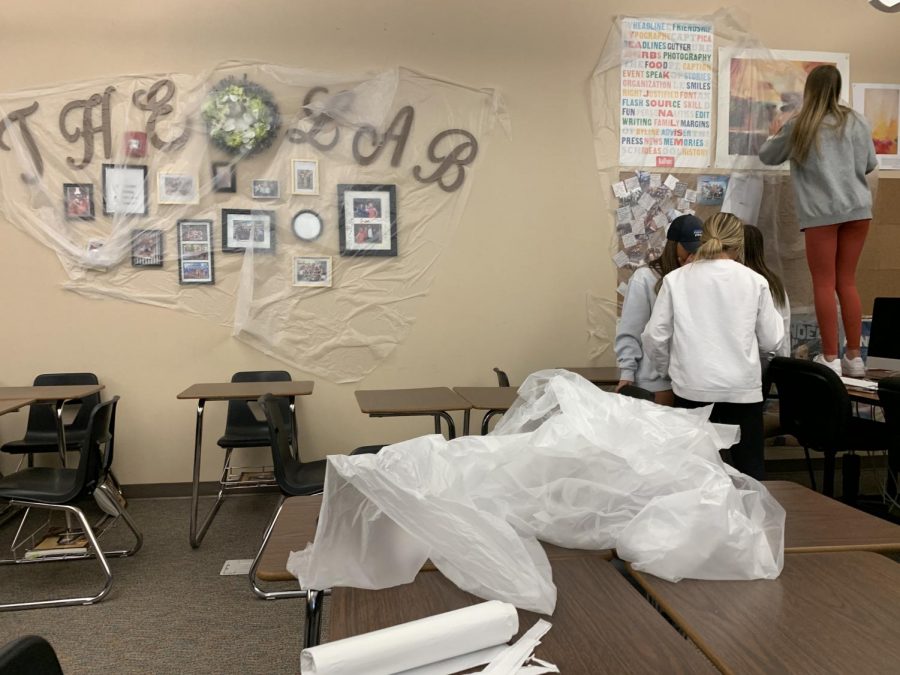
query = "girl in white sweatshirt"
x=710 y=321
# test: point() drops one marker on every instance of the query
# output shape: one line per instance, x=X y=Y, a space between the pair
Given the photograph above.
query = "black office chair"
x=40 y=430
x=502 y=378
x=637 y=392
x=60 y=489
x=889 y=398
x=814 y=408
x=29 y=655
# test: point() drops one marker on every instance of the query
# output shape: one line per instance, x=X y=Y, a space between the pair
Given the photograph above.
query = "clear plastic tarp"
x=306 y=210
x=568 y=464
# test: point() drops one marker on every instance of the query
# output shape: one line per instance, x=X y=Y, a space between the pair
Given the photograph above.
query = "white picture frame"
x=880 y=105
x=312 y=271
x=305 y=176
x=177 y=188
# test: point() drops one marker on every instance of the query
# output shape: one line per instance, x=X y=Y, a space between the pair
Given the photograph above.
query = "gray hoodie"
x=830 y=186
x=636 y=309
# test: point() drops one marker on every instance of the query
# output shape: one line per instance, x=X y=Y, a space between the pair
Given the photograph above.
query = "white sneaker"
x=853 y=367
x=834 y=365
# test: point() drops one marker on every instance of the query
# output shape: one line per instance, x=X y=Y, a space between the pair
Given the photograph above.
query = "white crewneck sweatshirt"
x=710 y=322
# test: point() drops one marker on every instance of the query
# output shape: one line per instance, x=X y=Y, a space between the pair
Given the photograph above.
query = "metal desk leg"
x=466 y=416
x=487 y=419
x=451 y=427
x=294 y=431
x=61 y=431
x=196 y=536
x=313 y=627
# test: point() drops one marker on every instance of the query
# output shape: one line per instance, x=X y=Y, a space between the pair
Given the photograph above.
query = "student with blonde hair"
x=711 y=319
x=831 y=151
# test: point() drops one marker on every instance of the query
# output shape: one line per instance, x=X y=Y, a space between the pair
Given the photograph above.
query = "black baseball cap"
x=686 y=230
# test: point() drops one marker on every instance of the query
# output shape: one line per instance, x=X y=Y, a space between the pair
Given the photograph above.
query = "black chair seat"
x=249 y=439
x=367 y=450
x=863 y=434
x=303 y=479
x=43 y=441
x=29 y=655
x=52 y=486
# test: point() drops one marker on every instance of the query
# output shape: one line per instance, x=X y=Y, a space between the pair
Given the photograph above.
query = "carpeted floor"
x=169 y=610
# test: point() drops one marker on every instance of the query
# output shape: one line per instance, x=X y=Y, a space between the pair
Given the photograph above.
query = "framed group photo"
x=368 y=220
x=305 y=176
x=177 y=188
x=146 y=248
x=195 y=254
x=312 y=271
x=78 y=201
x=244 y=228
x=124 y=190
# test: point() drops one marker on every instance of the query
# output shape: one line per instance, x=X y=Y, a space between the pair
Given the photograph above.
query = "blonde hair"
x=722 y=233
x=820 y=99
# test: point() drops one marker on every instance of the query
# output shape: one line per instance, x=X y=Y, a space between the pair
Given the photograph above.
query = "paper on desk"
x=860 y=384
x=415 y=644
x=743 y=197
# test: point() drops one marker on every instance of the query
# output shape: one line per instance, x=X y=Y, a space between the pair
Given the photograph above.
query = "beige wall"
x=512 y=286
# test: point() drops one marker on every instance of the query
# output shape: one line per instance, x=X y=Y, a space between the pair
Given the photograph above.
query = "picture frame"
x=146 y=248
x=265 y=189
x=246 y=228
x=177 y=188
x=124 y=190
x=368 y=220
x=305 y=176
x=195 y=252
x=224 y=177
x=312 y=271
x=307 y=225
x=759 y=89
x=78 y=201
x=880 y=105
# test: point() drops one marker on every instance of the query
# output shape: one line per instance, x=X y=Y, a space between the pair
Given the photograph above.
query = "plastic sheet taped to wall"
x=568 y=464
x=308 y=211
x=680 y=106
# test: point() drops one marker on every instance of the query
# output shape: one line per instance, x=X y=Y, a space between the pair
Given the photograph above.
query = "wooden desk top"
x=826 y=613
x=601 y=624
x=294 y=529
x=608 y=375
x=425 y=401
x=50 y=393
x=816 y=523
x=488 y=398
x=227 y=391
x=13 y=404
x=296 y=526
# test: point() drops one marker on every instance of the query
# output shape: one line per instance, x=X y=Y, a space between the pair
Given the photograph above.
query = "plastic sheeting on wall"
x=754 y=90
x=72 y=158
x=568 y=464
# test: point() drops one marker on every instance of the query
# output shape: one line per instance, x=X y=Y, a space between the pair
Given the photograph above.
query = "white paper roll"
x=414 y=644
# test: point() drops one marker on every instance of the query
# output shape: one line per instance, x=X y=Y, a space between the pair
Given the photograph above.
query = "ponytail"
x=722 y=233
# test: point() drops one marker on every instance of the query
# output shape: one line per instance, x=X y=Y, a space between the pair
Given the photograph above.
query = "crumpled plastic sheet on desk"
x=568 y=464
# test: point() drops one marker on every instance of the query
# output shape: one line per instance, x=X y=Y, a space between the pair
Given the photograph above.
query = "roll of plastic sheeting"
x=414 y=644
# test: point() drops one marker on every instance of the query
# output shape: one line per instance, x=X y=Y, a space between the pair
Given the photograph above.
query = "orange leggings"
x=832 y=252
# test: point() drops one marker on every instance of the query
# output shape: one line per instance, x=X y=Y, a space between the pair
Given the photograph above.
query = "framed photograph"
x=195 y=254
x=880 y=105
x=177 y=188
x=307 y=225
x=305 y=174
x=312 y=271
x=759 y=90
x=265 y=189
x=135 y=143
x=124 y=190
x=243 y=229
x=368 y=219
x=146 y=248
x=78 y=201
x=224 y=177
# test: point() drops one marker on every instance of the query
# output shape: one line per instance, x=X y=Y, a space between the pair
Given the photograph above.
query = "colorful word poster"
x=667 y=77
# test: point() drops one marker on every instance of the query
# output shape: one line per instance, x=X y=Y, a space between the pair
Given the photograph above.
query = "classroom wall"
x=513 y=286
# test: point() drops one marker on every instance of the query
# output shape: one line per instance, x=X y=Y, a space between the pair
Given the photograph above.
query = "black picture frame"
x=137 y=178
x=224 y=168
x=78 y=201
x=147 y=248
x=240 y=225
x=367 y=217
x=196 y=267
